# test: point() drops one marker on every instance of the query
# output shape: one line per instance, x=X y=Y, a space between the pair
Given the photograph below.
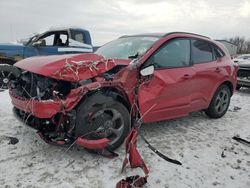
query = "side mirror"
x=147 y=71
x=39 y=43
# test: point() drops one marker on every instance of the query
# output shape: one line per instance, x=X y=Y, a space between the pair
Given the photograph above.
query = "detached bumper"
x=40 y=109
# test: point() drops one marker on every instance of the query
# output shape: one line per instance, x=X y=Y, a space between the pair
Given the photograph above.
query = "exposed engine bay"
x=30 y=85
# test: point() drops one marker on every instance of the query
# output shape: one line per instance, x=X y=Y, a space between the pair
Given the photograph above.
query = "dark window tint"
x=175 y=53
x=218 y=52
x=201 y=51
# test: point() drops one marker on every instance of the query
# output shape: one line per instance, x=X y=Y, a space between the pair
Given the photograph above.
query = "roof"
x=64 y=28
x=162 y=34
x=146 y=35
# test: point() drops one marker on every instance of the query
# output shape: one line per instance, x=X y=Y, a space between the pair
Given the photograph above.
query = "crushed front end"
x=47 y=105
x=46 y=97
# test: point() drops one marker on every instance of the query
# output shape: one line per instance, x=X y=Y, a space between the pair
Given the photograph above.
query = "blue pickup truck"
x=52 y=42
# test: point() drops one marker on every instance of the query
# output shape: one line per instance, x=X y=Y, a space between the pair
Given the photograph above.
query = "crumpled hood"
x=70 y=67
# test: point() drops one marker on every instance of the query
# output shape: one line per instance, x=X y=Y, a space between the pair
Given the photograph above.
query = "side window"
x=175 y=53
x=201 y=52
x=57 y=38
x=64 y=37
x=49 y=40
x=61 y=39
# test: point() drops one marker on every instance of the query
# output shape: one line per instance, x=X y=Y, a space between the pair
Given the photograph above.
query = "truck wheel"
x=220 y=102
x=101 y=116
x=7 y=73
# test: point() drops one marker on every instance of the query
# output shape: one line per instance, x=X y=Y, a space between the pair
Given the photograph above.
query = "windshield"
x=127 y=47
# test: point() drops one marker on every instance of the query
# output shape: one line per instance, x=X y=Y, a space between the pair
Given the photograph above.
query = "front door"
x=51 y=43
x=171 y=85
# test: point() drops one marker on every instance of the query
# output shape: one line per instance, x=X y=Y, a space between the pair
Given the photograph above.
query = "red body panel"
x=179 y=91
x=45 y=109
x=92 y=144
x=170 y=91
x=49 y=108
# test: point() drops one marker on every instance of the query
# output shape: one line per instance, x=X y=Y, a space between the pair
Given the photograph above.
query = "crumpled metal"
x=135 y=160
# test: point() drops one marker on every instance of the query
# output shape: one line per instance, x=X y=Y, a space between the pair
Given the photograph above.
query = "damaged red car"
x=93 y=99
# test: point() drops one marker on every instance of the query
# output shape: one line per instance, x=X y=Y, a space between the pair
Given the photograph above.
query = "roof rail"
x=186 y=33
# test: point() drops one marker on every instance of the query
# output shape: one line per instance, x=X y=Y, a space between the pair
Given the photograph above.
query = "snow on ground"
x=196 y=141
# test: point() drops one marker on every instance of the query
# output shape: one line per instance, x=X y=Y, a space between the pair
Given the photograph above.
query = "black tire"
x=7 y=73
x=98 y=113
x=220 y=102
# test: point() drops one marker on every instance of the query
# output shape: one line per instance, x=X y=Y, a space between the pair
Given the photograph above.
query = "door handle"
x=187 y=76
x=218 y=69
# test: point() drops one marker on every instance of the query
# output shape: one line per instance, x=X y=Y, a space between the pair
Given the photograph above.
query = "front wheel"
x=101 y=116
x=220 y=102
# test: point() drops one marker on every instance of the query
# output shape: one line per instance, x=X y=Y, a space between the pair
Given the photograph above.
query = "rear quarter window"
x=218 y=52
x=78 y=36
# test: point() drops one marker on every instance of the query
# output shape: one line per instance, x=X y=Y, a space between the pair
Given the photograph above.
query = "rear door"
x=208 y=73
x=170 y=88
x=53 y=42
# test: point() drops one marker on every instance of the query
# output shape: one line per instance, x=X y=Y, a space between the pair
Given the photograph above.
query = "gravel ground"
x=205 y=147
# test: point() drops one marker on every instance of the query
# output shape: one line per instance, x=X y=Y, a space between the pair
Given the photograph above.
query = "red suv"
x=90 y=99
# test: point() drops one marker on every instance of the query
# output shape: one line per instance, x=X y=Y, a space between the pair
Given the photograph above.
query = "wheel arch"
x=225 y=82
x=100 y=99
x=230 y=86
x=113 y=92
x=118 y=95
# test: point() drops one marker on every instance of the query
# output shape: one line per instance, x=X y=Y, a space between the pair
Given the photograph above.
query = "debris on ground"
x=13 y=140
x=223 y=154
x=241 y=140
x=235 y=109
x=134 y=158
x=132 y=181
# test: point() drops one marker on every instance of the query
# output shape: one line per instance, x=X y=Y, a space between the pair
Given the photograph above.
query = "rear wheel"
x=220 y=102
x=101 y=116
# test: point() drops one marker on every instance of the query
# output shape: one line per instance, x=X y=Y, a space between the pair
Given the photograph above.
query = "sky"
x=109 y=19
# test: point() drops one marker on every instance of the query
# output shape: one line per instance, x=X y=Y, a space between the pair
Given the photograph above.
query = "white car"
x=242 y=59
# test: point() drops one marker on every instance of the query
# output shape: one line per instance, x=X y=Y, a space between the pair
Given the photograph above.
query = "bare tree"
x=243 y=45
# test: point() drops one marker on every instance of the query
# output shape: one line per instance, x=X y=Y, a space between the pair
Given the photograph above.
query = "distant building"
x=232 y=48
